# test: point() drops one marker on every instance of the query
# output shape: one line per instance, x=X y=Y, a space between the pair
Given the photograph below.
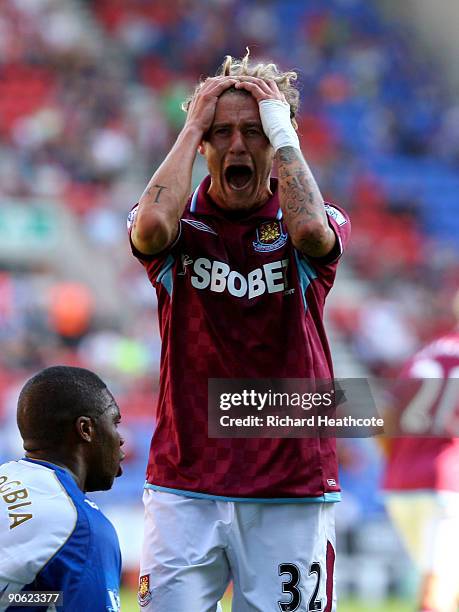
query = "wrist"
x=192 y=132
x=275 y=118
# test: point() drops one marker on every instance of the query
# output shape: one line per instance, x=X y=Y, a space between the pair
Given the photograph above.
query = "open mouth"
x=238 y=176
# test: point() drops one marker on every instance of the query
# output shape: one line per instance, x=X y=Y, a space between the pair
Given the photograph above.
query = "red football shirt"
x=428 y=407
x=237 y=300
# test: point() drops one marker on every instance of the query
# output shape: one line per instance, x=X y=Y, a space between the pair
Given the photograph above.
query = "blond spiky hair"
x=266 y=71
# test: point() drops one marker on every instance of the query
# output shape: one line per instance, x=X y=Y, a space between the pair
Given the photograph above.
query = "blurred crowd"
x=90 y=95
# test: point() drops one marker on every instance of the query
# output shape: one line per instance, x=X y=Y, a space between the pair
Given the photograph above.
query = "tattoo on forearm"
x=297 y=187
x=288 y=154
x=302 y=204
x=159 y=189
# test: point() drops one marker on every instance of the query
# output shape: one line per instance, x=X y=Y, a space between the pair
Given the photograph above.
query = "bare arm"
x=163 y=201
x=302 y=205
x=300 y=198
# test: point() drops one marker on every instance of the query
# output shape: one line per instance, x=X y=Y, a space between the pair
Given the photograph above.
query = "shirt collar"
x=202 y=204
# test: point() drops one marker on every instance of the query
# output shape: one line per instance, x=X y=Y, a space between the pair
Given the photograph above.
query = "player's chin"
x=100 y=484
x=108 y=483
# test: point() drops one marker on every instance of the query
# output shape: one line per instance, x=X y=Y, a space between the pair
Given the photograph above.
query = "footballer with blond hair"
x=241 y=268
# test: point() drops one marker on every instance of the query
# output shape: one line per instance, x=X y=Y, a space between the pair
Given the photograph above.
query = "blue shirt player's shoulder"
x=67 y=545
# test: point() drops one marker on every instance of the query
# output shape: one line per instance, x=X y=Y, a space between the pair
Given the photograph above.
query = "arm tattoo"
x=158 y=193
x=298 y=190
x=287 y=154
x=301 y=200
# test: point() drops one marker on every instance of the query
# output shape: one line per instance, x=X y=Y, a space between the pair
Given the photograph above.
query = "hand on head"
x=201 y=111
x=274 y=111
x=274 y=108
x=260 y=89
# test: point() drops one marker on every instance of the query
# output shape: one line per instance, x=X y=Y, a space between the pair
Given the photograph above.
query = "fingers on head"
x=218 y=84
x=268 y=86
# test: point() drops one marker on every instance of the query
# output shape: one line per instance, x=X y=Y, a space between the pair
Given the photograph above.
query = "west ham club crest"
x=144 y=594
x=270 y=237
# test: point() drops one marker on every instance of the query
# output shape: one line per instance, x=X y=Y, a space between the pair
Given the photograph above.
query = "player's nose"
x=237 y=143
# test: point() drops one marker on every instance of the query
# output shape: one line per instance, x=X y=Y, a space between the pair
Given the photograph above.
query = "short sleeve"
x=325 y=267
x=340 y=223
x=154 y=264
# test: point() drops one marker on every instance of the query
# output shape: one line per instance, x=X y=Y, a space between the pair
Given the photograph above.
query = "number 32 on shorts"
x=291 y=587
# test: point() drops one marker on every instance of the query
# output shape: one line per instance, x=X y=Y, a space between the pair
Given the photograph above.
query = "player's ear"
x=85 y=428
x=202 y=148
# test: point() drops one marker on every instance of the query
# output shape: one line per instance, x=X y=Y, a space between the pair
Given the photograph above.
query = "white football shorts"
x=279 y=556
x=428 y=524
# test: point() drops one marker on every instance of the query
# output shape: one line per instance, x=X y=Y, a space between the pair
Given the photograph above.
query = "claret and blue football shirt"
x=237 y=300
x=53 y=538
x=425 y=404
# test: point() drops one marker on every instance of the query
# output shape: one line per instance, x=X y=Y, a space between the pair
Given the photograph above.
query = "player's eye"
x=223 y=131
x=253 y=132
